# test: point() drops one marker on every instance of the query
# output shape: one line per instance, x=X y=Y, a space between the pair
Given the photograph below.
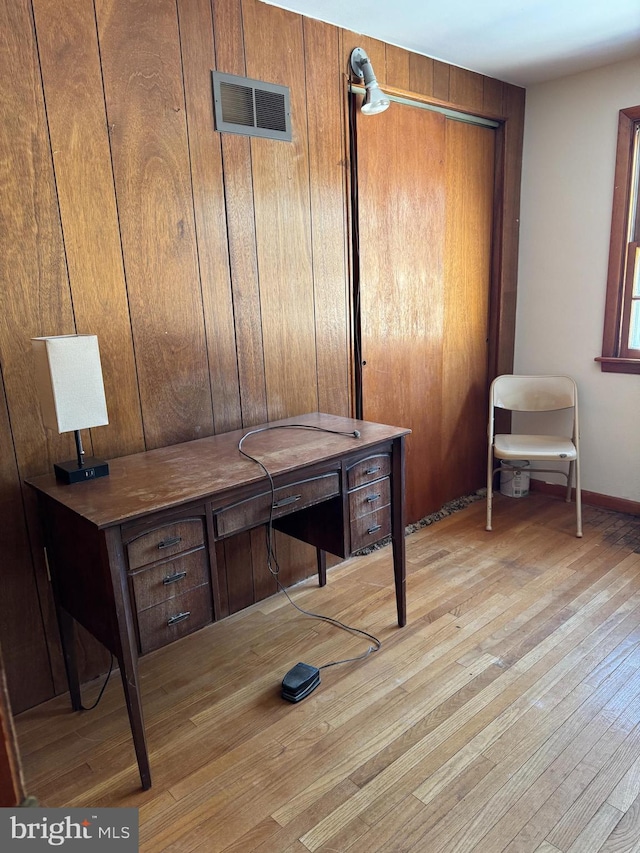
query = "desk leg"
x=129 y=675
x=126 y=651
x=322 y=566
x=68 y=639
x=397 y=530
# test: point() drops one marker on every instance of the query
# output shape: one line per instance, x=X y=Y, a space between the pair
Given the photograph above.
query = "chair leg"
x=578 y=501
x=570 y=481
x=489 y=489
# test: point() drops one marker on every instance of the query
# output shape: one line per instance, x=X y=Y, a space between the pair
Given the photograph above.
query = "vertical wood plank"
x=146 y=113
x=505 y=273
x=283 y=227
x=421 y=74
x=492 y=97
x=243 y=258
x=465 y=88
x=21 y=625
x=36 y=300
x=74 y=96
x=196 y=40
x=441 y=74
x=325 y=96
x=398 y=61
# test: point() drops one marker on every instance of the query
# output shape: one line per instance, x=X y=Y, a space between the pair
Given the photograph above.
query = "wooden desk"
x=132 y=556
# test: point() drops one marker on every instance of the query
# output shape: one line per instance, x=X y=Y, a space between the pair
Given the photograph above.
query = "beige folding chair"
x=535 y=394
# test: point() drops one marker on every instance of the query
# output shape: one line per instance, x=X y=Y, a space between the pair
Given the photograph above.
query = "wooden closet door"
x=425 y=189
x=469 y=167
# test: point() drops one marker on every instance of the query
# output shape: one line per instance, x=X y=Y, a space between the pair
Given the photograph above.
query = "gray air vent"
x=251 y=107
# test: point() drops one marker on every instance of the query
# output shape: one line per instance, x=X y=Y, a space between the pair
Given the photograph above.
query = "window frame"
x=616 y=356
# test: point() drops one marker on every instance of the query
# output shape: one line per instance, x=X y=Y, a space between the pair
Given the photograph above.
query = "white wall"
x=567 y=190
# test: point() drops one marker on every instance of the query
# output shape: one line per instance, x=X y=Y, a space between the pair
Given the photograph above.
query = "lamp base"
x=71 y=472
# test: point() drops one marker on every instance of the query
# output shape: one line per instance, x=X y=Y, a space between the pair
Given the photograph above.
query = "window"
x=621 y=339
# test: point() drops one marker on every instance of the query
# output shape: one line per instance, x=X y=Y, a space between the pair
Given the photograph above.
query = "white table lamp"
x=71 y=390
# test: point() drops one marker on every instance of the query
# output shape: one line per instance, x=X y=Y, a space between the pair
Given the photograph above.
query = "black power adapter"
x=300 y=681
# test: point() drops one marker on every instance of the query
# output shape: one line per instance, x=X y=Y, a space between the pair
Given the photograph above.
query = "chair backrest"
x=533 y=393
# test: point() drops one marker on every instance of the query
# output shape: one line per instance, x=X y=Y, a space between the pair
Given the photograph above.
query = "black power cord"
x=274 y=568
x=102 y=689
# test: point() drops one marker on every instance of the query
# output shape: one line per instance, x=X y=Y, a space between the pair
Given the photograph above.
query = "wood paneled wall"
x=213 y=268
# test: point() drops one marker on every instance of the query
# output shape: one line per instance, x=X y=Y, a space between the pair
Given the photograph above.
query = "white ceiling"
x=518 y=41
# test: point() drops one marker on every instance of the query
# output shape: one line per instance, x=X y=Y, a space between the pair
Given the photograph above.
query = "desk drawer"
x=369 y=469
x=369 y=498
x=370 y=528
x=287 y=499
x=169 y=579
x=165 y=541
x=175 y=618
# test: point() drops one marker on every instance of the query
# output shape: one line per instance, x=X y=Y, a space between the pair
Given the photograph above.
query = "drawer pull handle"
x=374 y=529
x=373 y=498
x=372 y=470
x=179 y=617
x=286 y=501
x=174 y=578
x=167 y=543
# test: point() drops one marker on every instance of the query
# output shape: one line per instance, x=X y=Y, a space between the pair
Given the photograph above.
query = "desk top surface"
x=207 y=467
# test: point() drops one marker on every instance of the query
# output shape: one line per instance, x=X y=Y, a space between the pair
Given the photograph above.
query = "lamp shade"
x=68 y=377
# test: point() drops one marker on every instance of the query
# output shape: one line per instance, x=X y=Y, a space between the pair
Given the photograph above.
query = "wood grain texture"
x=144 y=93
x=196 y=40
x=236 y=154
x=20 y=614
x=398 y=65
x=421 y=72
x=327 y=167
x=38 y=301
x=494 y=723
x=441 y=80
x=492 y=96
x=469 y=168
x=34 y=300
x=70 y=64
x=401 y=198
x=466 y=88
x=505 y=268
x=283 y=219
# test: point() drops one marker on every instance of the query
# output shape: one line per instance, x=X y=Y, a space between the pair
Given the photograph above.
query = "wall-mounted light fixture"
x=68 y=378
x=375 y=100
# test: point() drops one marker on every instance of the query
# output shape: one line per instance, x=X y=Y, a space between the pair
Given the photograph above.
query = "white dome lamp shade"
x=375 y=101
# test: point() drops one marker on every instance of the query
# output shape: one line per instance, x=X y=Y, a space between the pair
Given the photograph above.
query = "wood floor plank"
x=596 y=832
x=625 y=837
x=627 y=789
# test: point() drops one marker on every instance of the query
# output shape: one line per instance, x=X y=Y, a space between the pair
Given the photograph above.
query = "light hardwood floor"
x=504 y=717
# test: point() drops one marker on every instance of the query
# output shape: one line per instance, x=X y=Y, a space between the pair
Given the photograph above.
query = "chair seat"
x=534 y=447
